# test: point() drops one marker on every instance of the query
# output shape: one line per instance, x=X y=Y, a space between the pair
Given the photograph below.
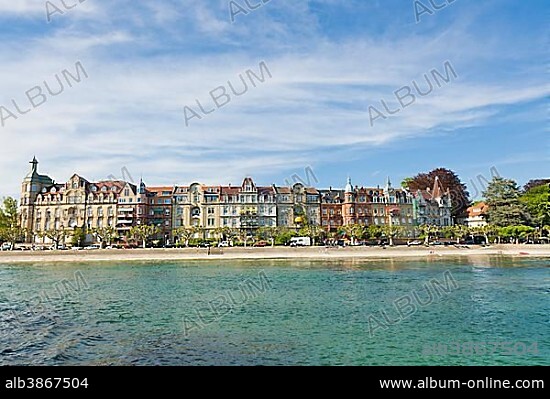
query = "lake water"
x=352 y=312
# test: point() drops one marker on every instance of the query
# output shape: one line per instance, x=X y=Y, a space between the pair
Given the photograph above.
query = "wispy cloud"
x=148 y=60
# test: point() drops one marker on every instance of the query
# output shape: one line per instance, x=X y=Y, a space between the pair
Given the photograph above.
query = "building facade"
x=433 y=206
x=79 y=203
x=476 y=215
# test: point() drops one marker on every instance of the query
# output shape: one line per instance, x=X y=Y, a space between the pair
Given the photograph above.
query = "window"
x=210 y=222
x=127 y=192
x=210 y=211
x=94 y=189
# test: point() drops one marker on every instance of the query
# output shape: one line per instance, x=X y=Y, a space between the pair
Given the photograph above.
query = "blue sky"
x=330 y=61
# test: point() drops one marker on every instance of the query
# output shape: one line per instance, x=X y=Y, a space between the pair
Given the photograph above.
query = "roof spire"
x=349 y=187
x=34 y=163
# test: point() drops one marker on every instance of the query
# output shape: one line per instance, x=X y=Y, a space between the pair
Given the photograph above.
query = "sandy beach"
x=271 y=253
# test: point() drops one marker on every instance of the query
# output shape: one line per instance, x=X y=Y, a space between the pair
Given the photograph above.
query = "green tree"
x=8 y=213
x=536 y=200
x=313 y=232
x=284 y=236
x=407 y=181
x=78 y=237
x=354 y=232
x=219 y=232
x=143 y=233
x=391 y=232
x=514 y=233
x=184 y=234
x=267 y=233
x=231 y=234
x=505 y=209
x=12 y=235
x=459 y=232
x=105 y=235
x=535 y=183
x=428 y=232
x=57 y=236
x=374 y=231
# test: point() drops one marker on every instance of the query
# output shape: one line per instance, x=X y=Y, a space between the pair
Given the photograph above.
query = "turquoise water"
x=299 y=312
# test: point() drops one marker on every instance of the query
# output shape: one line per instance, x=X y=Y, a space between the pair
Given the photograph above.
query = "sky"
x=332 y=65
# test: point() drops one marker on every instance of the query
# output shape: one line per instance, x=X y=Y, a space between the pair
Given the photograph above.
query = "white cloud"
x=130 y=110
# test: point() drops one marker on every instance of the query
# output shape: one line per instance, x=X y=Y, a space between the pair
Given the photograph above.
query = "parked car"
x=414 y=243
x=5 y=246
x=92 y=247
x=436 y=243
x=224 y=244
x=59 y=248
x=204 y=245
x=260 y=244
x=300 y=242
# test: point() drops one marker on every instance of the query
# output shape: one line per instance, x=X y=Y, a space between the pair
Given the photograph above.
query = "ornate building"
x=433 y=206
x=79 y=203
x=298 y=205
x=367 y=206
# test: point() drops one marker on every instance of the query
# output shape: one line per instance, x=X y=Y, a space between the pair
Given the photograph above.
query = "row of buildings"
x=47 y=205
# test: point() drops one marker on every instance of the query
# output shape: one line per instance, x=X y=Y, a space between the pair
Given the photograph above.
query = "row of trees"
x=10 y=231
x=511 y=206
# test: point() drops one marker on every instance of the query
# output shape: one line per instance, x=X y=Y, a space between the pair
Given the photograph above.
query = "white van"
x=300 y=242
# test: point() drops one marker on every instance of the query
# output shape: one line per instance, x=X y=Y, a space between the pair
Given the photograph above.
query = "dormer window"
x=44 y=190
x=104 y=188
x=113 y=188
x=94 y=188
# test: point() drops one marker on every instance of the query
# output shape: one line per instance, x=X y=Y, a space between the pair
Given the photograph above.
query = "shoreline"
x=270 y=253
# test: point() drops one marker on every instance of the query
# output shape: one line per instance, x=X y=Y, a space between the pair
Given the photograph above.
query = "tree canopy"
x=536 y=200
x=535 y=183
x=505 y=208
x=8 y=213
x=449 y=180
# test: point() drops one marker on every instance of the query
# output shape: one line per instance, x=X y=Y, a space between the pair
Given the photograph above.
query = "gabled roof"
x=477 y=209
x=248 y=181
x=158 y=190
